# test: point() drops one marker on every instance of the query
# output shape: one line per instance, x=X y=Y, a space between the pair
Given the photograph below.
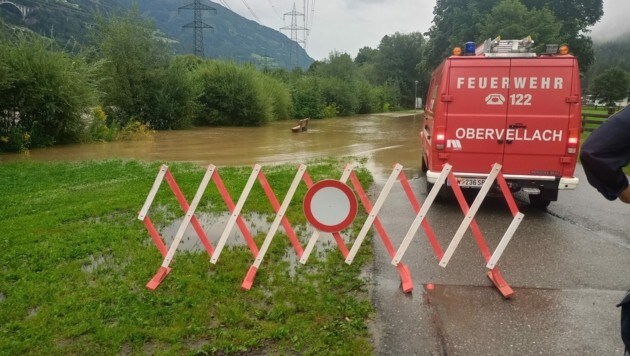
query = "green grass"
x=594 y=110
x=75 y=261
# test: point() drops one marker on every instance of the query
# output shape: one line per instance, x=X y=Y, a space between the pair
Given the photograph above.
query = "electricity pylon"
x=198 y=25
x=294 y=28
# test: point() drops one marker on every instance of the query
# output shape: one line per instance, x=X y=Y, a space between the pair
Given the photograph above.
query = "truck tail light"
x=440 y=138
x=573 y=141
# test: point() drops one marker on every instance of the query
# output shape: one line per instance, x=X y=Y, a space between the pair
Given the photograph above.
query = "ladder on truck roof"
x=506 y=48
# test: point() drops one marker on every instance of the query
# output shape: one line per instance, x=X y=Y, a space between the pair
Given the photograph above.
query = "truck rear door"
x=539 y=106
x=476 y=112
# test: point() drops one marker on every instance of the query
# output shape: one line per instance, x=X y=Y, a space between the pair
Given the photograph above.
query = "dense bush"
x=45 y=93
x=232 y=95
x=97 y=127
x=170 y=103
x=308 y=99
x=279 y=97
x=342 y=94
x=133 y=57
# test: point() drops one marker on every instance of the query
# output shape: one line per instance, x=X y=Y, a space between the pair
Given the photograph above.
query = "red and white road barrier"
x=330 y=206
x=469 y=222
x=403 y=270
x=212 y=173
x=164 y=270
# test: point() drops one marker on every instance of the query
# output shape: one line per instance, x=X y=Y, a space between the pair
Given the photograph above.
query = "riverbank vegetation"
x=127 y=70
x=128 y=78
x=75 y=261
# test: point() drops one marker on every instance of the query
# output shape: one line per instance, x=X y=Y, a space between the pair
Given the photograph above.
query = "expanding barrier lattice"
x=330 y=207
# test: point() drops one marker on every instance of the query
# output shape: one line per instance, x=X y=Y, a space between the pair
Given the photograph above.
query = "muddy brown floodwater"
x=383 y=139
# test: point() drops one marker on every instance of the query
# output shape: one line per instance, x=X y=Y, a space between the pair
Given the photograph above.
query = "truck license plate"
x=471 y=182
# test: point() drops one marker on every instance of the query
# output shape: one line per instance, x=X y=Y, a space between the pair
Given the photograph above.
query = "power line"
x=225 y=4
x=309 y=22
x=274 y=9
x=251 y=11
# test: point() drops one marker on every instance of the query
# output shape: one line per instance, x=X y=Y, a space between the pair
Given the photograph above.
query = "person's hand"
x=625 y=195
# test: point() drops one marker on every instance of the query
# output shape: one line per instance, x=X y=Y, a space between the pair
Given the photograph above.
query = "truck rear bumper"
x=564 y=183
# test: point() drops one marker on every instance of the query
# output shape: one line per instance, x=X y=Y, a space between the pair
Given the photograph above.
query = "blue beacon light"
x=469 y=49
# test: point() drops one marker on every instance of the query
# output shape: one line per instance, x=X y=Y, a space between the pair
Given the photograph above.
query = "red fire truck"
x=501 y=103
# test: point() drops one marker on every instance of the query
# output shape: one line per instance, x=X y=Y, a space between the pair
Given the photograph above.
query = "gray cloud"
x=614 y=23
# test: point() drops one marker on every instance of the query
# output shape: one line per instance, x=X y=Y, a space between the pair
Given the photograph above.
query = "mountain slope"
x=234 y=37
x=610 y=54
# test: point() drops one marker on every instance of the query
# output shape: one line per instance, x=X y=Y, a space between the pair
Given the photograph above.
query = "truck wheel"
x=538 y=201
x=424 y=165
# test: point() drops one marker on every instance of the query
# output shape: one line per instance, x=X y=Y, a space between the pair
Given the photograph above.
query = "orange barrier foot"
x=249 y=278
x=500 y=283
x=405 y=278
x=158 y=278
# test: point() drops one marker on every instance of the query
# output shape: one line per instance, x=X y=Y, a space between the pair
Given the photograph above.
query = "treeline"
x=547 y=21
x=128 y=81
x=610 y=54
x=608 y=80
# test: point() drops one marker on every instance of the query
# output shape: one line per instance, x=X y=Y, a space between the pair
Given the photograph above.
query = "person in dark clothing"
x=604 y=154
x=625 y=321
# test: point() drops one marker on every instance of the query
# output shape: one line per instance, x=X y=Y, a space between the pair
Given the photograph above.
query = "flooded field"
x=383 y=139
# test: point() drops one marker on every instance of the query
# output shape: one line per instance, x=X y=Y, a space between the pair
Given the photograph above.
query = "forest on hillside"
x=231 y=37
x=610 y=54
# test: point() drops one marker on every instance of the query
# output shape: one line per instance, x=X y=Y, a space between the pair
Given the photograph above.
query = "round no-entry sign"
x=330 y=205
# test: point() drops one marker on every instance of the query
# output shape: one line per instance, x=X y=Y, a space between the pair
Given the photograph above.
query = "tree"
x=396 y=63
x=458 y=21
x=454 y=23
x=131 y=52
x=339 y=83
x=510 y=19
x=365 y=55
x=575 y=17
x=338 y=65
x=611 y=86
x=44 y=92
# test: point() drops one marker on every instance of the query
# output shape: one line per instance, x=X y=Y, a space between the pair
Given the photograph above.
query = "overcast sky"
x=348 y=25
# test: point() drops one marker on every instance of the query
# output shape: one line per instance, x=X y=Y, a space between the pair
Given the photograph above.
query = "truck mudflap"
x=568 y=183
x=474 y=180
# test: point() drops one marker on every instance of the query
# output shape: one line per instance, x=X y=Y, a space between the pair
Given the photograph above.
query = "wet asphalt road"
x=568 y=266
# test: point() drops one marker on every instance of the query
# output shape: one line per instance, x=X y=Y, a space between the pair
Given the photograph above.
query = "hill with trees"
x=233 y=37
x=611 y=54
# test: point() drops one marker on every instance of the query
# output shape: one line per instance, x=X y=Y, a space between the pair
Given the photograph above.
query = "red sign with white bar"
x=330 y=205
